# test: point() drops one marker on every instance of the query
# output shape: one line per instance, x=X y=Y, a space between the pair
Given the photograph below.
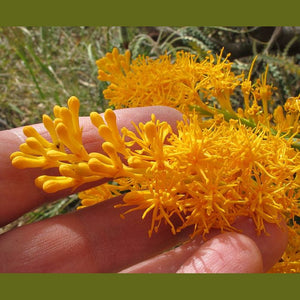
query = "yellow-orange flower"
x=220 y=164
x=178 y=84
x=207 y=177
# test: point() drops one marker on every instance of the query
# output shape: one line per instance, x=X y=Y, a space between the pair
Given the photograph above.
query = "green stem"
x=250 y=123
x=227 y=115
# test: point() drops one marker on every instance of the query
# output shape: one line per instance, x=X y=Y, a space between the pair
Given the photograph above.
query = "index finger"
x=19 y=193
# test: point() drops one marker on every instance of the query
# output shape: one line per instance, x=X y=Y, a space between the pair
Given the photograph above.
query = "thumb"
x=229 y=252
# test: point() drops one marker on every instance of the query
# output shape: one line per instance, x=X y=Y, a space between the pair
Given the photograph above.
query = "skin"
x=96 y=239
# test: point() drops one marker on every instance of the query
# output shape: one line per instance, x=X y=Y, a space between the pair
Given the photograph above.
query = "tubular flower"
x=292 y=108
x=263 y=92
x=66 y=151
x=286 y=118
x=146 y=81
x=246 y=86
x=222 y=82
x=219 y=164
x=207 y=177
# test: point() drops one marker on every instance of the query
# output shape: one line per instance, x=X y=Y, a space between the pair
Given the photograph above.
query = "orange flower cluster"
x=230 y=163
x=145 y=81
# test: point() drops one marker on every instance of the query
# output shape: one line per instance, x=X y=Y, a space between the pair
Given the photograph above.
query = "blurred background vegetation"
x=44 y=66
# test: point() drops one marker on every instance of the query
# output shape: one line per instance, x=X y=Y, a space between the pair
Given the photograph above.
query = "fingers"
x=239 y=253
x=18 y=191
x=226 y=253
x=271 y=245
x=222 y=253
x=94 y=239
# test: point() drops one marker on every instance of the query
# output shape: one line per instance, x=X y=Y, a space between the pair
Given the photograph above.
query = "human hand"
x=96 y=239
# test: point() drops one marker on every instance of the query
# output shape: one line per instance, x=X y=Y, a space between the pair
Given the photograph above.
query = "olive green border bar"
x=172 y=286
x=149 y=13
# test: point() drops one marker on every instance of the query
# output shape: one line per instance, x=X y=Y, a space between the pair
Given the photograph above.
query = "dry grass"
x=44 y=66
